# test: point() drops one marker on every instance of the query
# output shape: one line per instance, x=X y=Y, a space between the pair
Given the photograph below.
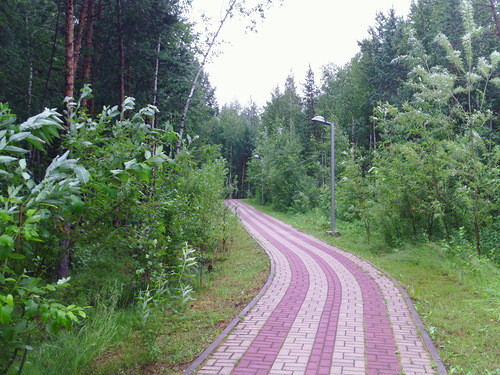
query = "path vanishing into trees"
x=322 y=311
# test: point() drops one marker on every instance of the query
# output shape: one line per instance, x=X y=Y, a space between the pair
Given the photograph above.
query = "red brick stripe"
x=380 y=348
x=260 y=356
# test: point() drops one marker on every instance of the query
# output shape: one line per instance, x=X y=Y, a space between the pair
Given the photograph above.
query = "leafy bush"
x=26 y=306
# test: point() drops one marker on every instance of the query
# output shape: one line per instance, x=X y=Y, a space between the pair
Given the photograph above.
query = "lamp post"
x=262 y=177
x=322 y=120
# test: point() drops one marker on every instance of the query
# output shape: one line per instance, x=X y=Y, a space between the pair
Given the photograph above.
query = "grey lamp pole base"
x=333 y=233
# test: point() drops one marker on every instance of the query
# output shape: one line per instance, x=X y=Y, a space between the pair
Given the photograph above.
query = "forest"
x=115 y=156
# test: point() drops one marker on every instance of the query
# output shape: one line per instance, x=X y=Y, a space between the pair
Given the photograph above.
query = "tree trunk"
x=495 y=16
x=65 y=261
x=84 y=15
x=155 y=87
x=52 y=55
x=121 y=85
x=69 y=88
x=30 y=85
x=87 y=62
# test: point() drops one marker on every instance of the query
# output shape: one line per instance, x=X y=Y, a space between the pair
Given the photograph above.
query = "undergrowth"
x=119 y=339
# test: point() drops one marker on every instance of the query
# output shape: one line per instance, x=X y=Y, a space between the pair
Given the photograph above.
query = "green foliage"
x=124 y=196
x=435 y=150
x=282 y=171
x=235 y=131
x=26 y=307
x=416 y=117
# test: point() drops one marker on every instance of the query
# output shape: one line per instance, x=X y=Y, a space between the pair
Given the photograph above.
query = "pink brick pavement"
x=324 y=311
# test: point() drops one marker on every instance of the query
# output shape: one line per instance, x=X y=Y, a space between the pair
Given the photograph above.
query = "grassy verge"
x=456 y=294
x=166 y=345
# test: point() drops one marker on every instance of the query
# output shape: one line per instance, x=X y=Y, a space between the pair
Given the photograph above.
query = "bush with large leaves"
x=26 y=305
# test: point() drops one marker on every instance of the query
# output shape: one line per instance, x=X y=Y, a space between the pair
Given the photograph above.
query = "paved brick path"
x=324 y=311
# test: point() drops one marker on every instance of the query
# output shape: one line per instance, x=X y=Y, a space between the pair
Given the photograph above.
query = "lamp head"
x=319 y=119
x=322 y=120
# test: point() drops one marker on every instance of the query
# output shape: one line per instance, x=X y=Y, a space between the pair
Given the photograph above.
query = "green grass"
x=455 y=293
x=70 y=352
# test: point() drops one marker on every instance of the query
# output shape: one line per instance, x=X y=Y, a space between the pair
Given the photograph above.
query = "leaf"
x=72 y=316
x=7 y=121
x=62 y=281
x=112 y=193
x=52 y=327
x=50 y=287
x=6 y=159
x=21 y=326
x=130 y=164
x=156 y=160
x=5 y=217
x=31 y=308
x=77 y=204
x=6 y=246
x=36 y=142
x=143 y=171
x=16 y=256
x=5 y=314
x=19 y=136
x=82 y=174
x=123 y=176
x=17 y=150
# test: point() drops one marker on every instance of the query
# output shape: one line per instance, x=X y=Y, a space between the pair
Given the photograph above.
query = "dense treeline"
x=416 y=114
x=142 y=49
x=102 y=194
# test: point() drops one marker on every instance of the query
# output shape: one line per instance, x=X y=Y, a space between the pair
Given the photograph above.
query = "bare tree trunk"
x=495 y=16
x=69 y=88
x=155 y=87
x=30 y=85
x=182 y=124
x=87 y=62
x=121 y=85
x=52 y=55
x=81 y=28
x=65 y=261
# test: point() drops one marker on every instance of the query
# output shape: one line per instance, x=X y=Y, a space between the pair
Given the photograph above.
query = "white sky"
x=291 y=37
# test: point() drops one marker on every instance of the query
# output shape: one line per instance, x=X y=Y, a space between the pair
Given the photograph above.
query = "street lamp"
x=262 y=176
x=322 y=120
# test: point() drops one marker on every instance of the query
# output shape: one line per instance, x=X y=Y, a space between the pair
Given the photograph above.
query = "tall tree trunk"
x=30 y=85
x=121 y=85
x=87 y=62
x=155 y=88
x=495 y=16
x=84 y=16
x=69 y=88
x=52 y=55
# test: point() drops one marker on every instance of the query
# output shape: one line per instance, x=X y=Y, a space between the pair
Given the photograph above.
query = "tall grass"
x=71 y=352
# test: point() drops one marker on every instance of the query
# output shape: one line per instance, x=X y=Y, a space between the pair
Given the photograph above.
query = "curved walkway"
x=323 y=311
